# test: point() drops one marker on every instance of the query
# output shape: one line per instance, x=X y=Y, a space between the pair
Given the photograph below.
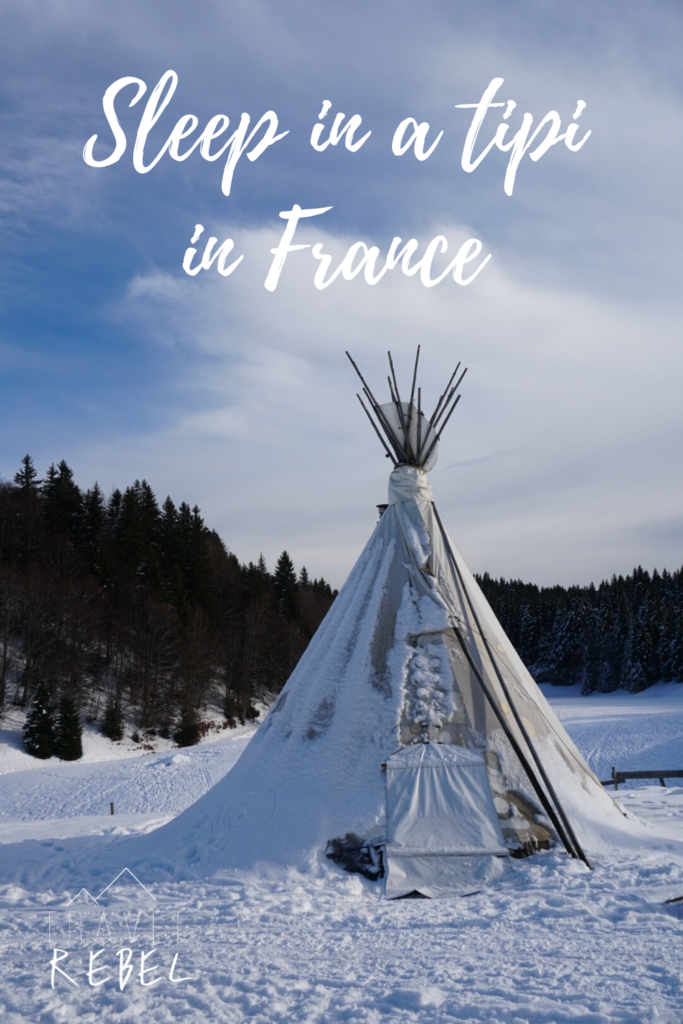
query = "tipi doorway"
x=443 y=834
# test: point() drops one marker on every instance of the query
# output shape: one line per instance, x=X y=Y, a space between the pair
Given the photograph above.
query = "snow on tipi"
x=410 y=743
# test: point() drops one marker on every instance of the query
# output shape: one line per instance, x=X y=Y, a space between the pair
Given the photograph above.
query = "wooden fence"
x=619 y=777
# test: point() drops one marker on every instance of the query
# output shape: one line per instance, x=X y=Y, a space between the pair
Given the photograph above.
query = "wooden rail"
x=661 y=774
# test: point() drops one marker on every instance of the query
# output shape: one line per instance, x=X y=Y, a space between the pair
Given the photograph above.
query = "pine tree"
x=675 y=651
x=93 y=520
x=609 y=660
x=114 y=512
x=562 y=652
x=39 y=729
x=323 y=589
x=256 y=578
x=191 y=550
x=25 y=479
x=27 y=513
x=68 y=731
x=285 y=586
x=665 y=635
x=187 y=733
x=635 y=672
x=131 y=529
x=592 y=651
x=167 y=529
x=63 y=501
x=112 y=720
x=528 y=636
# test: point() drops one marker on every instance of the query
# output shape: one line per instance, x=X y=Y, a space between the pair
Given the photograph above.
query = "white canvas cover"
x=443 y=834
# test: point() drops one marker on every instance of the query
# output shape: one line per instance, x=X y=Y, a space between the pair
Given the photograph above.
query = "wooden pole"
x=412 y=392
x=545 y=802
x=520 y=724
x=399 y=406
x=450 y=396
x=393 y=440
x=437 y=435
x=374 y=427
x=385 y=425
x=445 y=392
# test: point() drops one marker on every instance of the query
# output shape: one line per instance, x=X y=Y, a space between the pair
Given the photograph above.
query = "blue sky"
x=562 y=463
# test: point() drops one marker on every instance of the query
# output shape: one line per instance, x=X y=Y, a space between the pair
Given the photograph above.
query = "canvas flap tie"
x=409 y=483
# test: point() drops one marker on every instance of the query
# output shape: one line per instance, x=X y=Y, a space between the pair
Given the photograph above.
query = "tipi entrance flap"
x=443 y=834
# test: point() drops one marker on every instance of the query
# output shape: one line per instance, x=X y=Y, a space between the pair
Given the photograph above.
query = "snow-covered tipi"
x=410 y=743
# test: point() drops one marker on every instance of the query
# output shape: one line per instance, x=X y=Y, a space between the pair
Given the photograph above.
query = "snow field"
x=564 y=945
x=642 y=731
x=162 y=783
x=562 y=948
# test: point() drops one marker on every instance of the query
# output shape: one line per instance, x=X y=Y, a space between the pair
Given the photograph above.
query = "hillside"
x=130 y=608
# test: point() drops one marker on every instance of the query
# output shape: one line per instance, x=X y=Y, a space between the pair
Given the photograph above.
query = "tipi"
x=410 y=743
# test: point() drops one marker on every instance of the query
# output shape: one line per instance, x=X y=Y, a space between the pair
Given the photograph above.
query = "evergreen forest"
x=627 y=632
x=118 y=607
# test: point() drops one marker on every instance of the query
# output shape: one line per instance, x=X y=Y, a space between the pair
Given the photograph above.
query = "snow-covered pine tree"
x=68 y=731
x=666 y=631
x=562 y=654
x=39 y=729
x=528 y=636
x=675 y=651
x=635 y=671
x=591 y=655
x=609 y=660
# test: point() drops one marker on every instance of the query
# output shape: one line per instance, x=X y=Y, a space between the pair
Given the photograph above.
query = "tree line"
x=120 y=607
x=627 y=632
x=117 y=606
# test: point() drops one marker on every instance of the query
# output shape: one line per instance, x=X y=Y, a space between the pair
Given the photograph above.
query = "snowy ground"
x=632 y=731
x=564 y=945
x=145 y=785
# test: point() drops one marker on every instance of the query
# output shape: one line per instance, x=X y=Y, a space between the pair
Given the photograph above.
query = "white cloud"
x=559 y=464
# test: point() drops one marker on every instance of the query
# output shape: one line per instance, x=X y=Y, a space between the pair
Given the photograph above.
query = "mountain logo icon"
x=121 y=888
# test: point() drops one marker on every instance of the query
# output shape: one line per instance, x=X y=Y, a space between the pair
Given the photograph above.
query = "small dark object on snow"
x=674 y=906
x=356 y=856
x=528 y=849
